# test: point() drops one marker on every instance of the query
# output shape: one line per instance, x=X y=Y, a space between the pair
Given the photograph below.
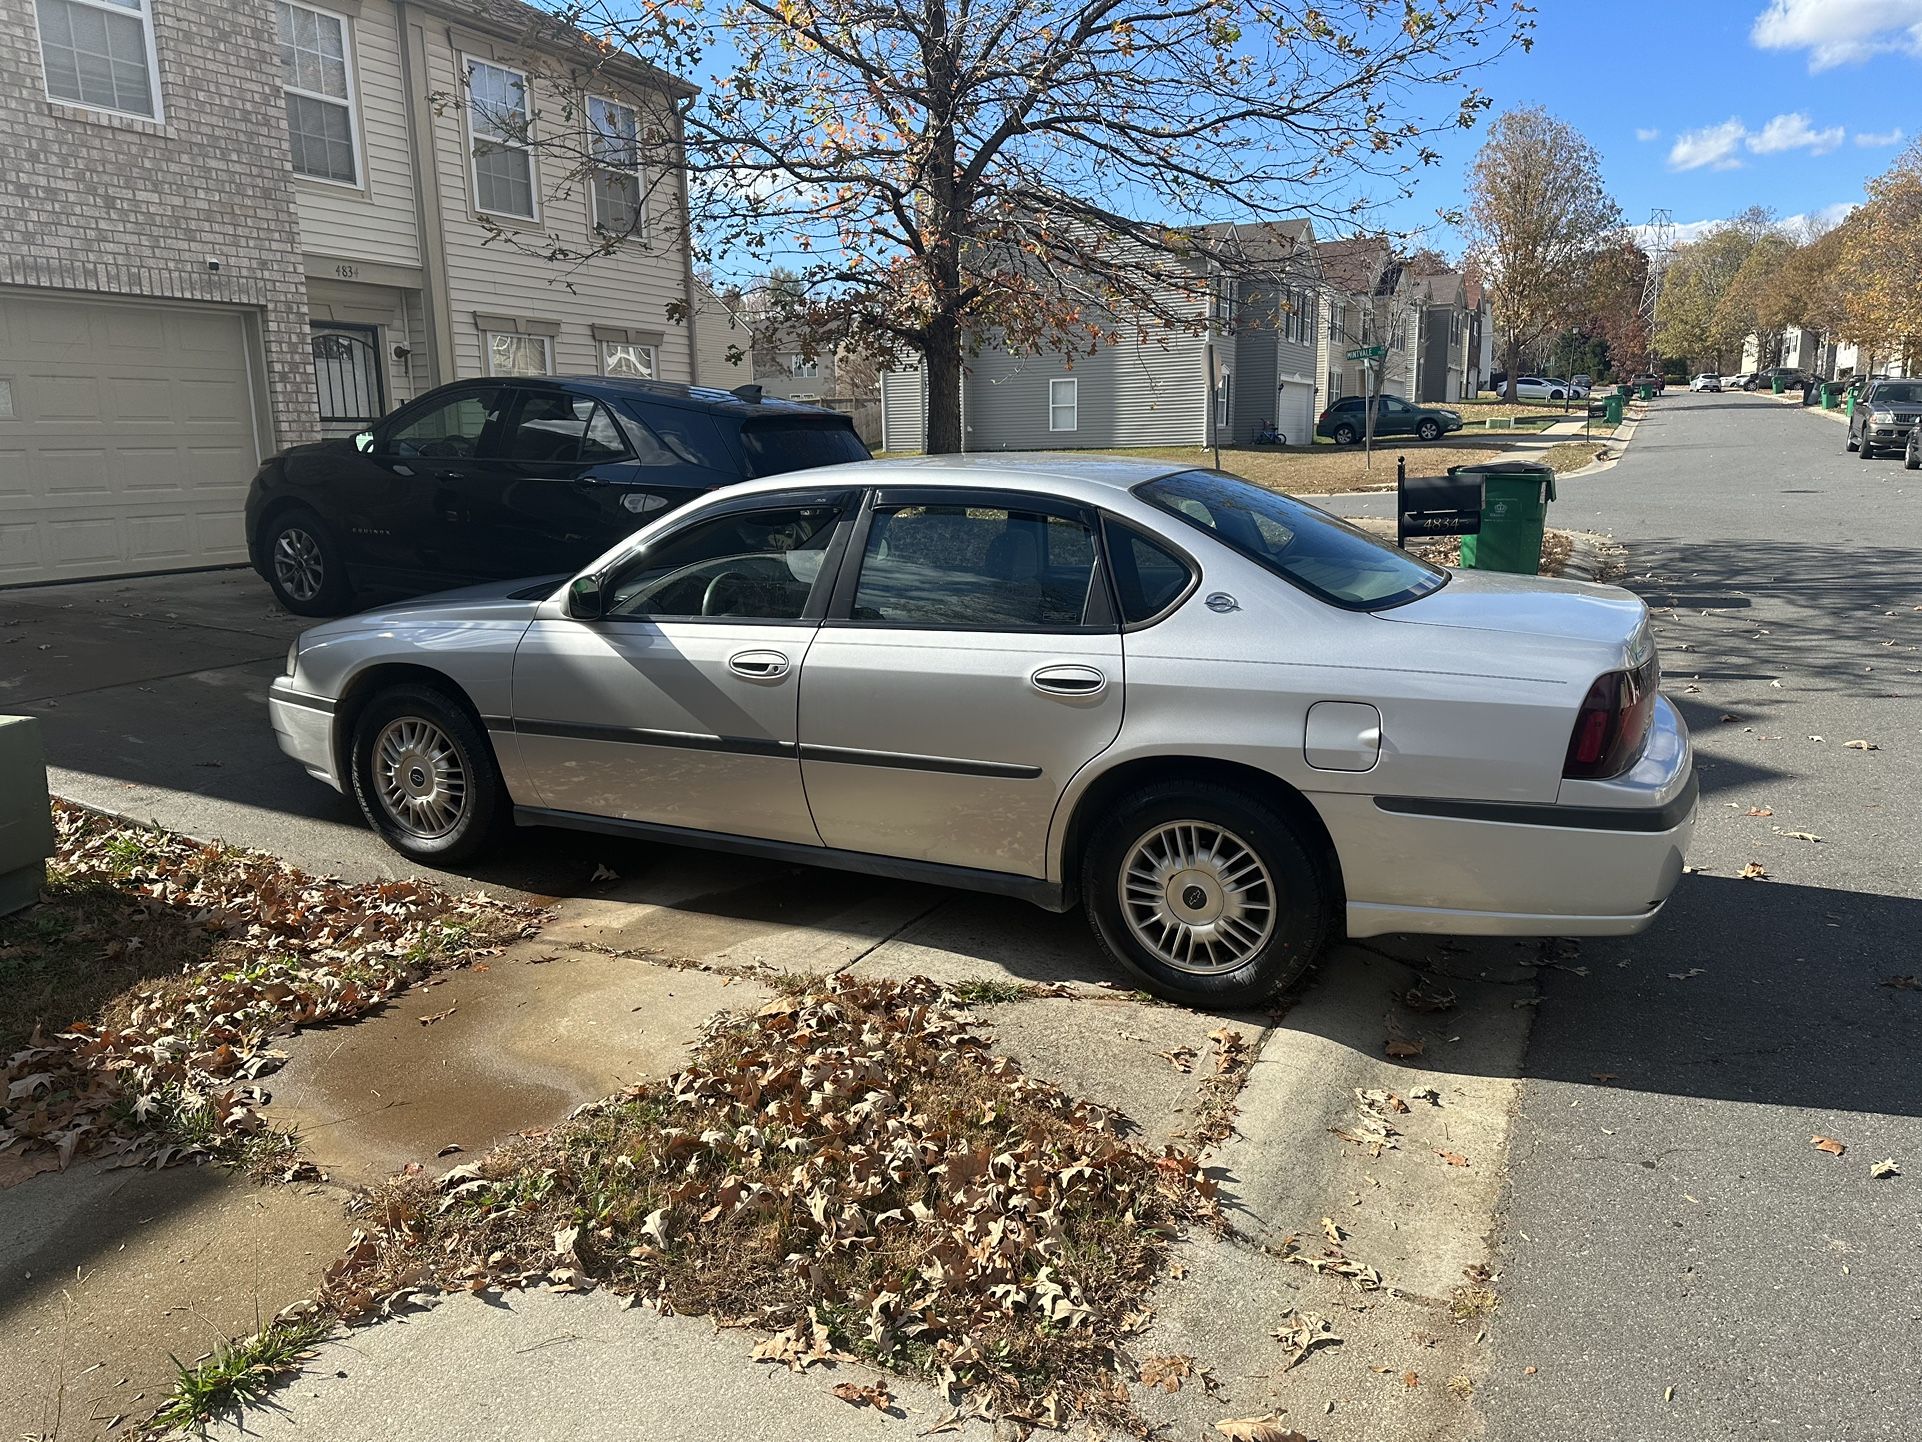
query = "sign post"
x=1371 y=357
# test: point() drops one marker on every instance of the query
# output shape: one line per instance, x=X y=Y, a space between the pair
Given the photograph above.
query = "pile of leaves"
x=165 y=1064
x=851 y=1170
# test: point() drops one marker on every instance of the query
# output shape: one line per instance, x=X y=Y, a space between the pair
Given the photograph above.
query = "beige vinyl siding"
x=904 y=410
x=717 y=330
x=376 y=222
x=631 y=288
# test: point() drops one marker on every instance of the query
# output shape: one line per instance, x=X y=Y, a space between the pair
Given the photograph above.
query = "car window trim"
x=1105 y=608
x=816 y=605
x=384 y=428
x=1180 y=553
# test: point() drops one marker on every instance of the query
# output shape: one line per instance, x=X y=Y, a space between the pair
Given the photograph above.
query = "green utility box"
x=1612 y=410
x=26 y=826
x=1515 y=497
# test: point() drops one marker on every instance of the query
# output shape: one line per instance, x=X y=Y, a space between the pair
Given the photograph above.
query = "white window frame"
x=596 y=165
x=467 y=64
x=487 y=351
x=653 y=357
x=1072 y=404
x=1224 y=396
x=359 y=182
x=145 y=16
x=800 y=368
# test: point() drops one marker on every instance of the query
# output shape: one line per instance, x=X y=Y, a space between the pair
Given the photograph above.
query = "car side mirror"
x=585 y=601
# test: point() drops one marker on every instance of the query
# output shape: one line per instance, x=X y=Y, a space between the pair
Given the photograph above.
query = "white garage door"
x=1295 y=411
x=126 y=437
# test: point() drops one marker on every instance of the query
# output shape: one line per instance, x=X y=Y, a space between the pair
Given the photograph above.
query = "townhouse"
x=234 y=225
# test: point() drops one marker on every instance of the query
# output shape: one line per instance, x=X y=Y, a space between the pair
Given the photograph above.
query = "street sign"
x=1368 y=352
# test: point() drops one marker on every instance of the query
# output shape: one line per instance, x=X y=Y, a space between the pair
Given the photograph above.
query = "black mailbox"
x=1436 y=505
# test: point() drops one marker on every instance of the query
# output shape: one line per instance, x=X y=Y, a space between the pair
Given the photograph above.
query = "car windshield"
x=774 y=447
x=1898 y=393
x=1308 y=547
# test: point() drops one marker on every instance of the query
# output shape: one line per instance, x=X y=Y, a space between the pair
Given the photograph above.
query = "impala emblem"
x=1221 y=603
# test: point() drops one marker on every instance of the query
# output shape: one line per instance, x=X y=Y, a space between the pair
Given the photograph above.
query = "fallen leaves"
x=1182 y=1058
x=1885 y=1168
x=1401 y=1047
x=1266 y=1428
x=1760 y=811
x=1827 y=1144
x=1429 y=996
x=1902 y=983
x=1454 y=1159
x=1754 y=871
x=853 y=1393
x=1859 y=745
x=1300 y=1333
x=433 y=1016
x=1167 y=1373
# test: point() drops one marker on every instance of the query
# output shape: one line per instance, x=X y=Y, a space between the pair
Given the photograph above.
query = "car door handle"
x=1077 y=681
x=758 y=665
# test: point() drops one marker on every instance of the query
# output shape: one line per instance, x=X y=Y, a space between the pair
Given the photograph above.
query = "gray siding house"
x=1247 y=362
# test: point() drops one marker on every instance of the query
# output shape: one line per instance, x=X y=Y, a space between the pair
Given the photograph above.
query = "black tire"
x=1301 y=889
x=291 y=547
x=1864 y=450
x=1849 y=444
x=1912 y=458
x=1429 y=431
x=1554 y=395
x=483 y=808
x=1346 y=435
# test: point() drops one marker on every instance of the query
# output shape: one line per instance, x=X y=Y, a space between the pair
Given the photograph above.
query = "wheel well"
x=375 y=679
x=1111 y=786
x=270 y=513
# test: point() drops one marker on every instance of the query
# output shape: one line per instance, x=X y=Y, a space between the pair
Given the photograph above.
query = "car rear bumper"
x=304 y=727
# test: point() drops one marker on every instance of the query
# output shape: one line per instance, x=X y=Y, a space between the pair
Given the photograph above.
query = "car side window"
x=554 y=428
x=456 y=429
x=1148 y=577
x=981 y=568
x=745 y=565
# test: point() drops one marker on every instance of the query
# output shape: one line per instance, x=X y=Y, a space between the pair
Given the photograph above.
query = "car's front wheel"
x=1209 y=896
x=1863 y=449
x=1429 y=430
x=425 y=777
x=1912 y=453
x=305 y=569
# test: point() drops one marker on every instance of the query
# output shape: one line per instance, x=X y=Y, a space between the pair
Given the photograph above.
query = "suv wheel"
x=1345 y=434
x=304 y=566
x=1207 y=895
x=425 y=777
x=1863 y=449
x=1429 y=430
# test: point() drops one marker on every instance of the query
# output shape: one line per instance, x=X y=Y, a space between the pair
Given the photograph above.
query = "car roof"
x=746 y=401
x=1088 y=478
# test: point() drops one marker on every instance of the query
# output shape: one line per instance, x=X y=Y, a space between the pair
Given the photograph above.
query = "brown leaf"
x=1902 y=983
x=1886 y=1168
x=1861 y=746
x=1265 y=1428
x=1410 y=1379
x=1182 y=1058
x=1761 y=811
x=1167 y=1373
x=1828 y=1144
x=855 y=1395
x=1454 y=1159
x=1404 y=1047
x=434 y=1016
x=1604 y=1077
x=1754 y=871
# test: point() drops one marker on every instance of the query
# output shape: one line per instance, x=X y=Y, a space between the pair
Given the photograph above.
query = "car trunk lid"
x=1528 y=606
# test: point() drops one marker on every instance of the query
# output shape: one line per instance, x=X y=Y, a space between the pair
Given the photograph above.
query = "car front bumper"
x=304 y=727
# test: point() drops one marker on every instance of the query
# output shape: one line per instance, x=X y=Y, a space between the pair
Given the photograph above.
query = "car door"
x=968 y=668
x=1394 y=417
x=392 y=510
x=678 y=706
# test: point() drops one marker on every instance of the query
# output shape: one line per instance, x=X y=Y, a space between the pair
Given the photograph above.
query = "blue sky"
x=1705 y=107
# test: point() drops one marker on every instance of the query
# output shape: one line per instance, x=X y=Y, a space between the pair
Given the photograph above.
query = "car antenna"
x=750 y=394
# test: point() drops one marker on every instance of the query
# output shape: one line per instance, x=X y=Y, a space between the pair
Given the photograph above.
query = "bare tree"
x=1538 y=216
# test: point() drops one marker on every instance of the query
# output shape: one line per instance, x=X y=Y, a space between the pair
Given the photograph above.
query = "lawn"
x=1324 y=470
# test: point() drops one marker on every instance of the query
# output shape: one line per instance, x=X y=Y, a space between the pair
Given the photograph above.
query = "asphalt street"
x=1668 y=1222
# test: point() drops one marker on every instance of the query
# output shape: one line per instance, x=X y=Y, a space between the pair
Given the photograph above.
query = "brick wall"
x=102 y=203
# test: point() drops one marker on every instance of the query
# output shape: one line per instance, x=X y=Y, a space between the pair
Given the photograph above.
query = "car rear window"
x=777 y=446
x=1306 y=547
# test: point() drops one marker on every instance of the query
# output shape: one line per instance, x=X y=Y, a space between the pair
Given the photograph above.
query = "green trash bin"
x=1831 y=395
x=1515 y=497
x=1648 y=391
x=1612 y=410
x=1775 y=384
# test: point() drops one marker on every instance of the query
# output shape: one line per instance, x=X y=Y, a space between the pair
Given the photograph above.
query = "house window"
x=1224 y=393
x=619 y=358
x=614 y=145
x=501 y=125
x=100 y=53
x=1064 y=405
x=317 y=80
x=519 y=355
x=803 y=367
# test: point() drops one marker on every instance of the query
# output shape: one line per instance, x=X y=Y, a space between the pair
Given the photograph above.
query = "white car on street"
x=1706 y=381
x=1538 y=388
x=1228 y=724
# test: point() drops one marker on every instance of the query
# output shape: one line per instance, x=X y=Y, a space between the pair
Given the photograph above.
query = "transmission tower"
x=1659 y=243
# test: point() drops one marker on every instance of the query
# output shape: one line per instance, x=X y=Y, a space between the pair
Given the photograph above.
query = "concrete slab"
x=540 y=1367
x=522 y=1044
x=991 y=938
x=105 y=1274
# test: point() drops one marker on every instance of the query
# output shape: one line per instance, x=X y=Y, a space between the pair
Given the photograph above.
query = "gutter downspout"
x=436 y=315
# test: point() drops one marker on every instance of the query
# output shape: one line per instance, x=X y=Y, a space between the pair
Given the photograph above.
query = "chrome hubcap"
x=297 y=564
x=1197 y=896
x=418 y=777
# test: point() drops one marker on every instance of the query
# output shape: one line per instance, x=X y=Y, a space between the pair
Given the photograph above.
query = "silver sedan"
x=1228 y=724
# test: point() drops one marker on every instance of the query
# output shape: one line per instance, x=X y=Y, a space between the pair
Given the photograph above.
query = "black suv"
x=1885 y=414
x=486 y=480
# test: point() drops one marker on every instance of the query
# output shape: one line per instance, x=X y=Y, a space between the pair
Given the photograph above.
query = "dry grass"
x=850 y=1170
x=1326 y=469
x=1567 y=456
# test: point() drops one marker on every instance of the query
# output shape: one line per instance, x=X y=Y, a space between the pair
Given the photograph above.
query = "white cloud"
x=1647 y=135
x=1687 y=232
x=1793 y=132
x=1871 y=140
x=1713 y=145
x=1840 y=34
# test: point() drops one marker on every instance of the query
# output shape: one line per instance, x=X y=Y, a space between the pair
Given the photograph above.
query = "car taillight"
x=1323 y=416
x=1612 y=724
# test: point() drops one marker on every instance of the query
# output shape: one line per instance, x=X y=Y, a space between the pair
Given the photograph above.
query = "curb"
x=1590 y=557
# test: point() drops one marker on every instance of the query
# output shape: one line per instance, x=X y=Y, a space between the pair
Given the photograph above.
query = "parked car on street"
x=1886 y=413
x=1345 y=421
x=1585 y=382
x=1540 y=388
x=1227 y=723
x=1793 y=379
x=1652 y=379
x=1706 y=381
x=1735 y=382
x=487 y=479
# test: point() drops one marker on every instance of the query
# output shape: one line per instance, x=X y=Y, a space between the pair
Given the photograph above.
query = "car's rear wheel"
x=1205 y=894
x=1428 y=430
x=1346 y=435
x=425 y=777
x=305 y=569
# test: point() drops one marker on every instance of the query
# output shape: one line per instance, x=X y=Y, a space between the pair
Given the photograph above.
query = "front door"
x=679 y=707
x=347 y=381
x=967 y=671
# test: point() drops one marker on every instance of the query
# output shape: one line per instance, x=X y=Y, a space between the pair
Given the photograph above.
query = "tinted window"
x=1897 y=393
x=1311 y=548
x=694 y=439
x=981 y=567
x=1148 y=579
x=773 y=447
x=555 y=428
x=755 y=564
x=450 y=430
x=1349 y=403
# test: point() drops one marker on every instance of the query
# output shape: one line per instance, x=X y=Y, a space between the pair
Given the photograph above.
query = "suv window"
x=983 y=568
x=773 y=447
x=692 y=438
x=452 y=430
x=1148 y=578
x=758 y=565
x=1896 y=393
x=555 y=428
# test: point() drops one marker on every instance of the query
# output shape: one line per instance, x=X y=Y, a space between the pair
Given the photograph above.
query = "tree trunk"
x=1512 y=354
x=941 y=363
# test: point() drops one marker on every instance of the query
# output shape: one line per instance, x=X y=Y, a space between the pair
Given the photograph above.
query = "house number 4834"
x=346 y=272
